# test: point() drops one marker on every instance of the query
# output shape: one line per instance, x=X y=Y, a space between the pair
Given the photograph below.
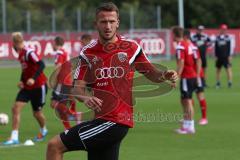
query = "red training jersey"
x=185 y=51
x=28 y=60
x=109 y=70
x=64 y=75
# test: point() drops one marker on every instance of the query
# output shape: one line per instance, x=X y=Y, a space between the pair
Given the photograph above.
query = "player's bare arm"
x=198 y=69
x=81 y=95
x=20 y=83
x=156 y=75
x=180 y=65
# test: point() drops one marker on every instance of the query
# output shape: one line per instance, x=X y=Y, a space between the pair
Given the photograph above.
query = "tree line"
x=210 y=13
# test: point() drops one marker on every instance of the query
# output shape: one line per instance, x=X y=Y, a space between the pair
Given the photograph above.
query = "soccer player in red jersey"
x=188 y=73
x=62 y=103
x=32 y=86
x=105 y=65
x=62 y=67
x=200 y=93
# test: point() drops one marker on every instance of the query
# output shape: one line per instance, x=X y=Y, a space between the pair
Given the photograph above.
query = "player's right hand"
x=20 y=85
x=93 y=103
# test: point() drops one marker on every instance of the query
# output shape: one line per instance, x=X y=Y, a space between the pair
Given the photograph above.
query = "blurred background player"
x=186 y=69
x=202 y=41
x=223 y=55
x=86 y=39
x=200 y=92
x=63 y=104
x=60 y=102
x=32 y=86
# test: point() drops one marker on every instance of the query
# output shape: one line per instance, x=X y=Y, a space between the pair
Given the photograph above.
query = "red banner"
x=153 y=42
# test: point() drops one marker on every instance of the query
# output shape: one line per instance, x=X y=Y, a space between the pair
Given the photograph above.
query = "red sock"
x=72 y=107
x=63 y=113
x=203 y=105
x=66 y=124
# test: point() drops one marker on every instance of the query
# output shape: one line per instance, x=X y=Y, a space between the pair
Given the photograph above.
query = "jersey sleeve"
x=196 y=53
x=32 y=56
x=180 y=52
x=83 y=70
x=229 y=46
x=59 y=59
x=138 y=54
x=139 y=59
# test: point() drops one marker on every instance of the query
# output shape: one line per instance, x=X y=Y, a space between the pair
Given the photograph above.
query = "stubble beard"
x=107 y=40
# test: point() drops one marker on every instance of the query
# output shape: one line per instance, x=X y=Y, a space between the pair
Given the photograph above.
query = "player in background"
x=223 y=54
x=202 y=41
x=104 y=65
x=64 y=105
x=86 y=39
x=200 y=92
x=32 y=87
x=187 y=72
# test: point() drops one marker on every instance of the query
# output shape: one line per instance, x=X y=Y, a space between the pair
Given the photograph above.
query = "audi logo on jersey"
x=109 y=72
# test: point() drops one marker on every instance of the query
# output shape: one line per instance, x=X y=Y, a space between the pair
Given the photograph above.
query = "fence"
x=80 y=19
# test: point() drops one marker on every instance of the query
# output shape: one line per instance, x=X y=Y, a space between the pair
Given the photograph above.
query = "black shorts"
x=37 y=97
x=222 y=62
x=59 y=97
x=100 y=138
x=187 y=87
x=61 y=92
x=201 y=86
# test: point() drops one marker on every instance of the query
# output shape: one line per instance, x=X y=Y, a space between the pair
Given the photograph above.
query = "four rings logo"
x=153 y=46
x=109 y=72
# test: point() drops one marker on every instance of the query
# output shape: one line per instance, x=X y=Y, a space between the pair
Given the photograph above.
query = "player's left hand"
x=170 y=75
x=30 y=81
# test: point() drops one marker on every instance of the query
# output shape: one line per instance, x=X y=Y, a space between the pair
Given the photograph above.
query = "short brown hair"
x=59 y=41
x=108 y=6
x=17 y=37
x=177 y=31
x=87 y=37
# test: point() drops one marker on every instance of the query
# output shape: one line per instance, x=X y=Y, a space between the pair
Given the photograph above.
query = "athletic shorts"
x=59 y=97
x=201 y=86
x=187 y=87
x=61 y=92
x=222 y=62
x=36 y=96
x=100 y=138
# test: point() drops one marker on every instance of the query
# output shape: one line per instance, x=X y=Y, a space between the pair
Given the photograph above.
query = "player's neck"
x=179 y=40
x=58 y=47
x=187 y=40
x=21 y=47
x=105 y=41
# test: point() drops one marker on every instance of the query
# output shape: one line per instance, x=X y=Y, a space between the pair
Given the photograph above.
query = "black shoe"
x=229 y=84
x=218 y=85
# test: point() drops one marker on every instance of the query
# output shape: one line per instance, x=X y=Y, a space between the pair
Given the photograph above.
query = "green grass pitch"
x=219 y=140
